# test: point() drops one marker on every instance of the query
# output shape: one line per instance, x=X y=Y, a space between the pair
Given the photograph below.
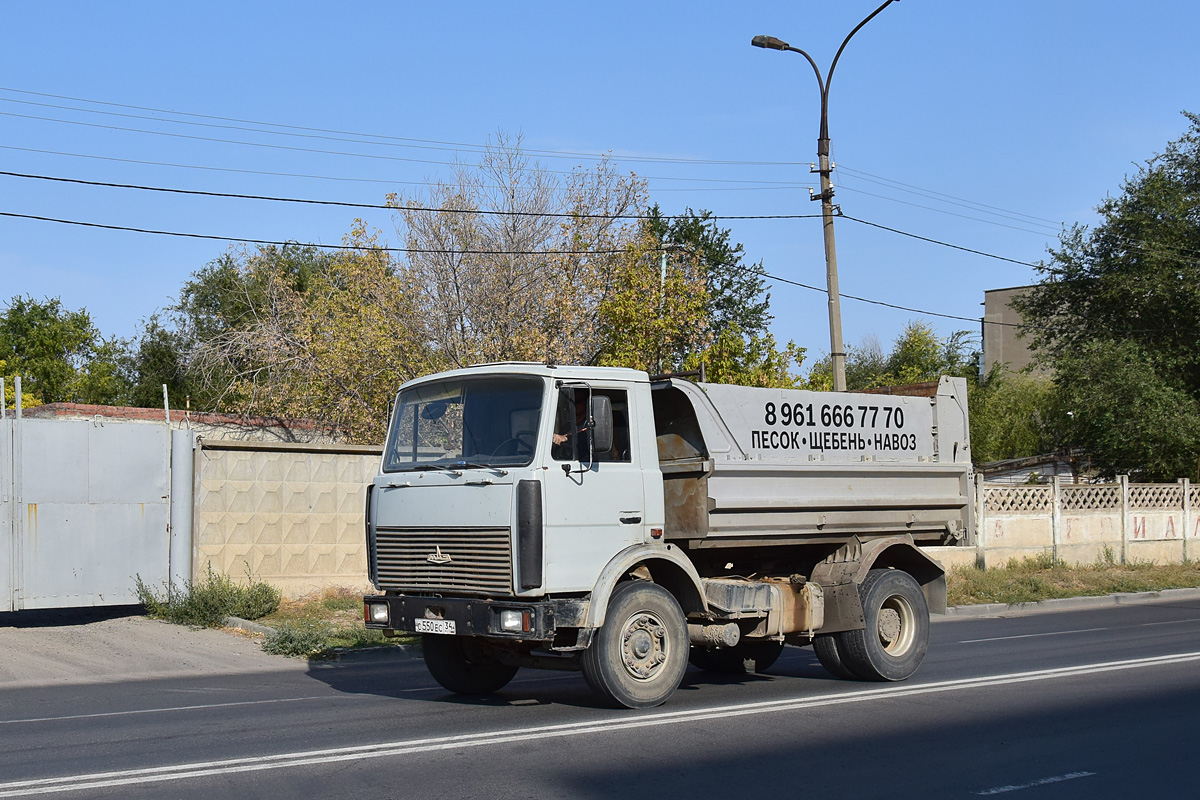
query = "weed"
x=315 y=639
x=1032 y=579
x=314 y=625
x=208 y=601
x=303 y=639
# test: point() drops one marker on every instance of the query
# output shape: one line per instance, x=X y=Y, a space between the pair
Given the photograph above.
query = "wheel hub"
x=889 y=625
x=644 y=645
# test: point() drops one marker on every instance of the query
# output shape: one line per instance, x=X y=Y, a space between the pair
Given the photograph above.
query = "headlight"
x=377 y=613
x=514 y=621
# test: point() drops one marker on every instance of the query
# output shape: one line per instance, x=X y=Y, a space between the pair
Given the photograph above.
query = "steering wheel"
x=522 y=444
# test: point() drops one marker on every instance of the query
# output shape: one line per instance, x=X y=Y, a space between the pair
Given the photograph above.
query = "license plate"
x=445 y=626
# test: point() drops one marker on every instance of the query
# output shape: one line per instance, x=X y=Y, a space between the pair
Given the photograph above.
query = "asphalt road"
x=1094 y=703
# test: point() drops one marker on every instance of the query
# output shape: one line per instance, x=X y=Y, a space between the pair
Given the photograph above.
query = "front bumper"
x=540 y=620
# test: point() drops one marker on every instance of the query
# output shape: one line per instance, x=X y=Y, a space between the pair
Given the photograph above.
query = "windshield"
x=483 y=422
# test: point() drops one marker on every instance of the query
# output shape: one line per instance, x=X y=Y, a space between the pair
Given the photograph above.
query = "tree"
x=728 y=330
x=737 y=294
x=1014 y=415
x=333 y=346
x=1117 y=315
x=1125 y=415
x=523 y=284
x=59 y=353
x=917 y=355
x=649 y=319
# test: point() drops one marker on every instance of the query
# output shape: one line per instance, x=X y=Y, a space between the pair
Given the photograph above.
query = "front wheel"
x=893 y=643
x=464 y=665
x=638 y=658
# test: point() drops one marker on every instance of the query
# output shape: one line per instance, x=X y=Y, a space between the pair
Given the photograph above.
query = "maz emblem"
x=439 y=557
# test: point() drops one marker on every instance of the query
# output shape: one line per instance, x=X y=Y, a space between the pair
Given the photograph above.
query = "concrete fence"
x=291 y=514
x=1080 y=524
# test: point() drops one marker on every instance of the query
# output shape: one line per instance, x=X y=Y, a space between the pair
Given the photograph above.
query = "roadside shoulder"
x=1067 y=603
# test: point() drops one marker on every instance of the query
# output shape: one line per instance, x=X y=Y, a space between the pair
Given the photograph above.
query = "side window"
x=570 y=427
x=620 y=451
x=569 y=421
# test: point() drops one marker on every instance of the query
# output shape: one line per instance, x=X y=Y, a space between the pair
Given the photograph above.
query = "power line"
x=891 y=305
x=411 y=250
x=387 y=181
x=369 y=249
x=715 y=217
x=938 y=242
x=415 y=141
x=436 y=251
x=846 y=188
x=293 y=148
x=867 y=176
x=568 y=215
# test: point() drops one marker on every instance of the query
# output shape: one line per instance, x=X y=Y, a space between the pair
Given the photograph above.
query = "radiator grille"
x=480 y=559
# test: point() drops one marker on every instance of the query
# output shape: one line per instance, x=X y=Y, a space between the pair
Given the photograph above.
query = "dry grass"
x=1033 y=579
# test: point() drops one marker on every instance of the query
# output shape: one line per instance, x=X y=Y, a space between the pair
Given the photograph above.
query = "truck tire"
x=463 y=665
x=638 y=658
x=826 y=648
x=893 y=643
x=745 y=656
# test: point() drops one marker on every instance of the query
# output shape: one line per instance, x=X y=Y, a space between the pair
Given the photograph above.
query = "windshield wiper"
x=459 y=465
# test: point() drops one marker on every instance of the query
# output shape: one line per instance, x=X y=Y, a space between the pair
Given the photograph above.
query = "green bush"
x=303 y=639
x=208 y=601
x=314 y=639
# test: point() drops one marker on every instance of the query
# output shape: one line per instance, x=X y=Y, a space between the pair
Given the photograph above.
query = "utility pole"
x=837 y=351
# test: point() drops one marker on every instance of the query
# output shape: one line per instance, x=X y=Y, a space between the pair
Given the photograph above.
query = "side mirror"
x=601 y=413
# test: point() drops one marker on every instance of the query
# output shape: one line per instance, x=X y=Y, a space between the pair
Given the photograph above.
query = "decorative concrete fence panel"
x=1091 y=521
x=1156 y=523
x=1123 y=521
x=1017 y=522
x=291 y=514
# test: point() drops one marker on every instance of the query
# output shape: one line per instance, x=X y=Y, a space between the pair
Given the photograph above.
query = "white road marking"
x=1082 y=630
x=165 y=709
x=174 y=772
x=1070 y=776
x=1030 y=635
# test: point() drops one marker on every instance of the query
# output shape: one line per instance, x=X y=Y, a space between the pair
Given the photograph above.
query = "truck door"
x=591 y=513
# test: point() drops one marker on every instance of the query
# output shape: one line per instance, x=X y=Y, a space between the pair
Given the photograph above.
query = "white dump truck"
x=598 y=519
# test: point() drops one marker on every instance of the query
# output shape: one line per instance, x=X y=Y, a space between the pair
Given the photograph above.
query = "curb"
x=1068 y=603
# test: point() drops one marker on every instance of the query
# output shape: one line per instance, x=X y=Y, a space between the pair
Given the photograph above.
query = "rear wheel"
x=893 y=643
x=465 y=665
x=638 y=658
x=825 y=646
x=745 y=656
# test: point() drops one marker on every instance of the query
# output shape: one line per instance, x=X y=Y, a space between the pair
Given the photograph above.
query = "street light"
x=837 y=352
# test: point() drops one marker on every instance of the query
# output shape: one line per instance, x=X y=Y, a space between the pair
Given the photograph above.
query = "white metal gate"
x=7 y=541
x=84 y=508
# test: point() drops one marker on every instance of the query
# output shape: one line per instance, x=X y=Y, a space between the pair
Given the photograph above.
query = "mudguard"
x=666 y=564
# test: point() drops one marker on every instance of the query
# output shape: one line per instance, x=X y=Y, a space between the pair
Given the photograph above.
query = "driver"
x=568 y=426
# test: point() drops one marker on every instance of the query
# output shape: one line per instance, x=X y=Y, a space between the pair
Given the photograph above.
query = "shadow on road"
x=65 y=617
x=407 y=679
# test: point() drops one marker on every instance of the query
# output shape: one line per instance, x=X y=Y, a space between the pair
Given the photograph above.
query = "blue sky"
x=986 y=125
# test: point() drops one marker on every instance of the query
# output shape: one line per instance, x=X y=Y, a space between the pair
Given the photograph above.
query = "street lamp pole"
x=836 y=350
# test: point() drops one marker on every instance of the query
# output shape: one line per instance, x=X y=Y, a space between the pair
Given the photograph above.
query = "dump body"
x=523 y=510
x=747 y=466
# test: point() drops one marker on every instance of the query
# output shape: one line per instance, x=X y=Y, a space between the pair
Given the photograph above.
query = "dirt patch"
x=104 y=645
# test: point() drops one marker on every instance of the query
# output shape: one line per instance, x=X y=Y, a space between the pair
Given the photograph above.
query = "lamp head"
x=770 y=43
